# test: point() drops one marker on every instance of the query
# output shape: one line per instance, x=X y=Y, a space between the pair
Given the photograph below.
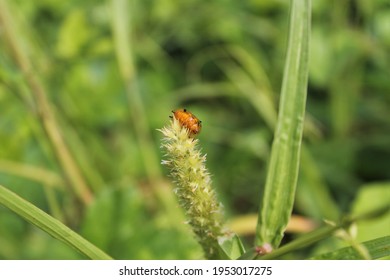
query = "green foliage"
x=226 y=63
x=118 y=222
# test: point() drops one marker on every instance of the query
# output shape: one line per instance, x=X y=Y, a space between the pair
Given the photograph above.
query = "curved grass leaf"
x=377 y=248
x=37 y=217
x=284 y=162
x=315 y=236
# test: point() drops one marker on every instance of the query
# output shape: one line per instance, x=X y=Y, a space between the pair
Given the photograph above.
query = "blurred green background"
x=112 y=72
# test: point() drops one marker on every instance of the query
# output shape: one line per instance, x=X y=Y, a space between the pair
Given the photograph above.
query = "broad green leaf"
x=313 y=195
x=37 y=217
x=284 y=162
x=370 y=197
x=73 y=34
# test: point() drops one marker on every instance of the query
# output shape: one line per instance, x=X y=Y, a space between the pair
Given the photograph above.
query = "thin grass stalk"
x=122 y=15
x=45 y=111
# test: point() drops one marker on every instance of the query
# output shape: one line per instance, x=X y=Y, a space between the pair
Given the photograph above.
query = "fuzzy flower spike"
x=193 y=184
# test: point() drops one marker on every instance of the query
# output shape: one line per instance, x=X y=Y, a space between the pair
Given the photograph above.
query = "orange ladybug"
x=188 y=120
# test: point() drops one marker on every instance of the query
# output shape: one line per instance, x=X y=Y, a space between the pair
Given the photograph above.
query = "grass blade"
x=377 y=248
x=317 y=235
x=50 y=225
x=284 y=163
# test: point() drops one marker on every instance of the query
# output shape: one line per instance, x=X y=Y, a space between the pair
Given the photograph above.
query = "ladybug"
x=188 y=120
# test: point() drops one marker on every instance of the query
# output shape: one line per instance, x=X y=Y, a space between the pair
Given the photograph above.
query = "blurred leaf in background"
x=223 y=59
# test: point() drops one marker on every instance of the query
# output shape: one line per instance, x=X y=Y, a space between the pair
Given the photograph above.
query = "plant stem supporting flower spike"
x=193 y=186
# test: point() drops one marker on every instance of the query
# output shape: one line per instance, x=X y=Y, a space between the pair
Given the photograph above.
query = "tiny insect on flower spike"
x=193 y=183
x=188 y=120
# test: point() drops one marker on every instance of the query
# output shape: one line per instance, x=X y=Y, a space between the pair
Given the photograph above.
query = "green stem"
x=122 y=31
